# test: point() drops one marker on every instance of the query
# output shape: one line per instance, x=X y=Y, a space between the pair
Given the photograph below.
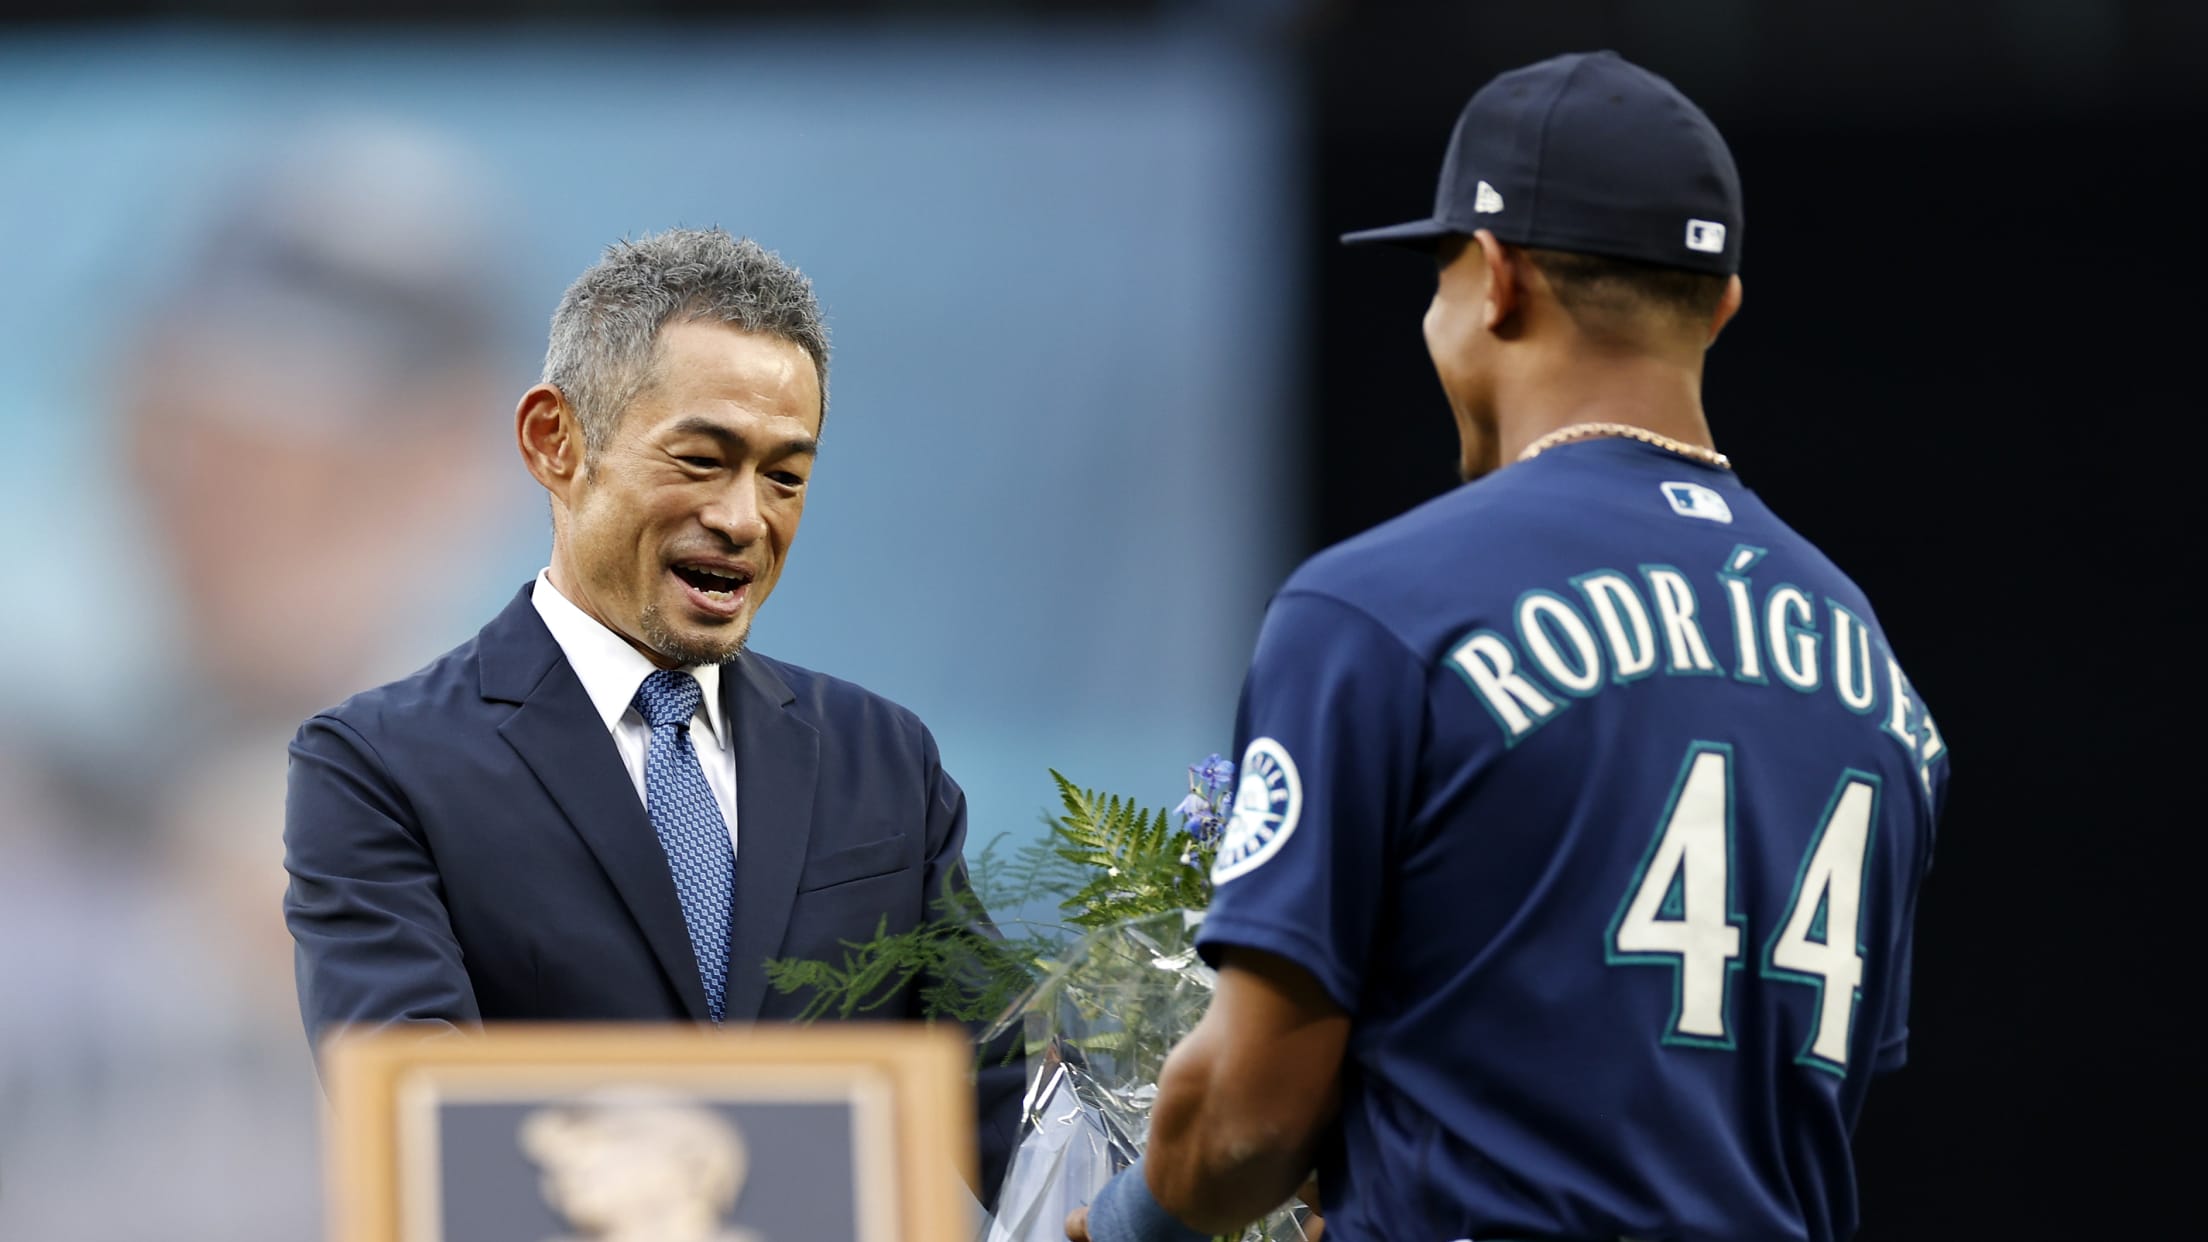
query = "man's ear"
x=550 y=439
x=1505 y=292
x=1727 y=307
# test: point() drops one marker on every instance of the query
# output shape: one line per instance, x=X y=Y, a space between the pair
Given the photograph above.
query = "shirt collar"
x=609 y=668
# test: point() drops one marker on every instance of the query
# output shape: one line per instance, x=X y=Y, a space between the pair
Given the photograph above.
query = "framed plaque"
x=843 y=1133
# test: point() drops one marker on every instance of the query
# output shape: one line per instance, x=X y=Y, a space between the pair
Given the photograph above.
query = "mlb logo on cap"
x=1587 y=153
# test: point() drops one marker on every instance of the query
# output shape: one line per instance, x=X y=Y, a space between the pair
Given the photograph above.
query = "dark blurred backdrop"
x=1962 y=369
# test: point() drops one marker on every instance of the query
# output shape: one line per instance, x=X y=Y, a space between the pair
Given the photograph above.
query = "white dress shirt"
x=611 y=670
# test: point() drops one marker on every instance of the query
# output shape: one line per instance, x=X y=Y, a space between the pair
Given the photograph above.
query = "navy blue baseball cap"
x=1587 y=153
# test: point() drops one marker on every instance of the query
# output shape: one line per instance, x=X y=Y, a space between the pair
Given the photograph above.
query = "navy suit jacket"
x=466 y=846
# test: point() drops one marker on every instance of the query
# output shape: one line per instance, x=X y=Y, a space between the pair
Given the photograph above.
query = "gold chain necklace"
x=1588 y=431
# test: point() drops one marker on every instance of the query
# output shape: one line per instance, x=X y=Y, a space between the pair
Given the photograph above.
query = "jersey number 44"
x=1680 y=910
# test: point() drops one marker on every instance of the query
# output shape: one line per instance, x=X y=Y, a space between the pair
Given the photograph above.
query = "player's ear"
x=1728 y=305
x=1504 y=290
x=550 y=439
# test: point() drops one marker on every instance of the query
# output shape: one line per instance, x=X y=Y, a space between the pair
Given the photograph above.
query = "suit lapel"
x=560 y=736
x=777 y=763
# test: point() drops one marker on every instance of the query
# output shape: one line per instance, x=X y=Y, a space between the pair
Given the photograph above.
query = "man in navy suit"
x=603 y=807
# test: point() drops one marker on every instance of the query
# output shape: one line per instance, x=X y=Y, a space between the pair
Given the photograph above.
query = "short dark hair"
x=605 y=333
x=1605 y=296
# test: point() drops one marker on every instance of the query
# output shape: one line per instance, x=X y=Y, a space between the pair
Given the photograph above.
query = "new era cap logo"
x=1488 y=202
x=1696 y=501
x=1707 y=236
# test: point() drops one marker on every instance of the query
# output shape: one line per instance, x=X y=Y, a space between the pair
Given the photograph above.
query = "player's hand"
x=1077 y=1225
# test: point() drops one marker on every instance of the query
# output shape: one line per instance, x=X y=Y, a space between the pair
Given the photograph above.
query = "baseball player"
x=1583 y=810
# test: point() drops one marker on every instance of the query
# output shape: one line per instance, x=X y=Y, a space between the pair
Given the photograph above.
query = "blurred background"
x=273 y=275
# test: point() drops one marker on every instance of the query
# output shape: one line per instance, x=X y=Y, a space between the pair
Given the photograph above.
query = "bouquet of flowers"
x=1096 y=998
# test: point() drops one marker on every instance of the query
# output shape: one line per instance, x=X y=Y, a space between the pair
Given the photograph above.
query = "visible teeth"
x=713 y=573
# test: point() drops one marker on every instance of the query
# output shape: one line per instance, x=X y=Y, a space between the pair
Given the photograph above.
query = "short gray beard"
x=683 y=649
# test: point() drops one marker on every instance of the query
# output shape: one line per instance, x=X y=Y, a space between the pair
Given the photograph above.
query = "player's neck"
x=1651 y=392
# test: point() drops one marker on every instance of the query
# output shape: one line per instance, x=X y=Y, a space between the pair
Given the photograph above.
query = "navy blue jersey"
x=1595 y=794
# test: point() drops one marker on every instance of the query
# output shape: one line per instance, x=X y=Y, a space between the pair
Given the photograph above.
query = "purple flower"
x=1199 y=818
x=1192 y=808
x=1213 y=776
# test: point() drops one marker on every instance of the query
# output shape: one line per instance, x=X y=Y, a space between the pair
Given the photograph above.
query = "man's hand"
x=1077 y=1225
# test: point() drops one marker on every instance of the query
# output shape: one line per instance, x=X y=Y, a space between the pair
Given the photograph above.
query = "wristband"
x=1125 y=1211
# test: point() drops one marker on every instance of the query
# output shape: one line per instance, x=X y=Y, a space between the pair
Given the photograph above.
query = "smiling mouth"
x=715 y=590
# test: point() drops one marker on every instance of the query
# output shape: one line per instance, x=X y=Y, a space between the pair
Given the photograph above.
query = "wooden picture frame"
x=420 y=1128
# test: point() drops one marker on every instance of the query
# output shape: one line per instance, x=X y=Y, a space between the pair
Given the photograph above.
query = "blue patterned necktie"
x=689 y=825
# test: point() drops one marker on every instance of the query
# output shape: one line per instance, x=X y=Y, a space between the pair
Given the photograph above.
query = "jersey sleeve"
x=1328 y=733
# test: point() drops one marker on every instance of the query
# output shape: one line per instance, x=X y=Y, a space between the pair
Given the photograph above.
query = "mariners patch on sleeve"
x=1266 y=806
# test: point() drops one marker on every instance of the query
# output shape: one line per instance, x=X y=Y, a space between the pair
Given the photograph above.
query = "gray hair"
x=606 y=332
